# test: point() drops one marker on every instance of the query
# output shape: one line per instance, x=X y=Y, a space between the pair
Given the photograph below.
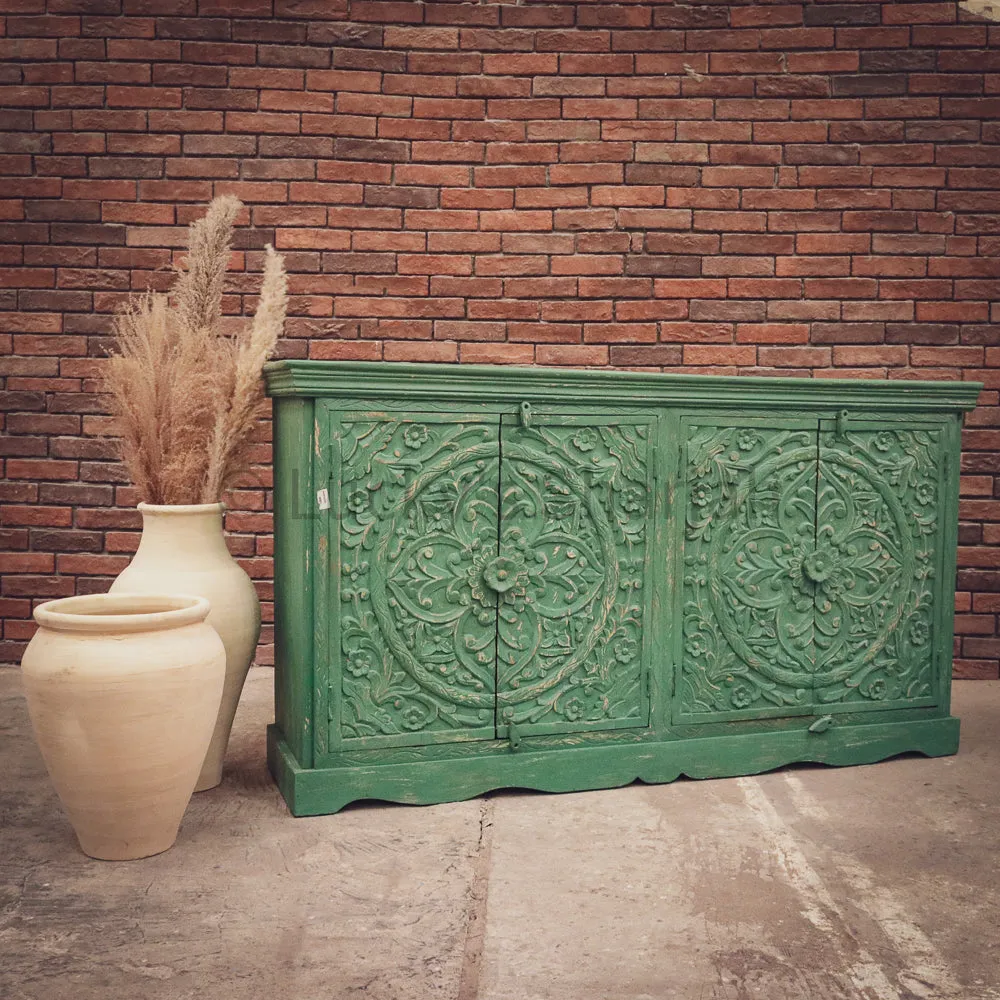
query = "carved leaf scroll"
x=575 y=509
x=417 y=624
x=808 y=569
x=877 y=522
x=747 y=605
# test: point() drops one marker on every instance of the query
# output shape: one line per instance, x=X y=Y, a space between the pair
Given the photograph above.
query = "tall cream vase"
x=123 y=692
x=183 y=549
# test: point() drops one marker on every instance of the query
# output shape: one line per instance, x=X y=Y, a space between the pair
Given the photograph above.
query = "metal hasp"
x=631 y=576
x=842 y=424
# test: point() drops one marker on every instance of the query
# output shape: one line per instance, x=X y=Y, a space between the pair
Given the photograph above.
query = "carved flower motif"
x=625 y=650
x=924 y=569
x=503 y=573
x=437 y=642
x=747 y=440
x=414 y=716
x=867 y=514
x=701 y=494
x=508 y=575
x=696 y=645
x=919 y=632
x=360 y=663
x=819 y=565
x=925 y=493
x=358 y=501
x=414 y=435
x=829 y=569
x=878 y=689
x=574 y=709
x=585 y=439
x=799 y=563
x=632 y=500
x=741 y=696
x=884 y=440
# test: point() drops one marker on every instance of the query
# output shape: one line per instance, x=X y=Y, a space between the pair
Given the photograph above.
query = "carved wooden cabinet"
x=562 y=580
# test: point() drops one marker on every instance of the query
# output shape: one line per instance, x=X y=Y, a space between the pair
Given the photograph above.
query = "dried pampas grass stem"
x=186 y=394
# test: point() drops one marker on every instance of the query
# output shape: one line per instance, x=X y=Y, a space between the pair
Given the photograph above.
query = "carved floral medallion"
x=806 y=568
x=478 y=591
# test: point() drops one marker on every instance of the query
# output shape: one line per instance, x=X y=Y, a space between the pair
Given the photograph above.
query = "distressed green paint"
x=295 y=438
x=417 y=524
x=747 y=646
x=693 y=576
x=575 y=504
x=878 y=531
x=808 y=578
x=315 y=791
x=508 y=386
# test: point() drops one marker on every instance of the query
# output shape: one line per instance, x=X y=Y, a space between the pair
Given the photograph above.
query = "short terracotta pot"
x=123 y=692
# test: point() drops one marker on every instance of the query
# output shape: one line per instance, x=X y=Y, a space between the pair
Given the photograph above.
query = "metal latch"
x=822 y=724
x=526 y=414
x=841 y=430
x=513 y=735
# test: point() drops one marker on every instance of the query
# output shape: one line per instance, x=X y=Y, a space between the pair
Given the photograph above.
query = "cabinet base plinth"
x=316 y=791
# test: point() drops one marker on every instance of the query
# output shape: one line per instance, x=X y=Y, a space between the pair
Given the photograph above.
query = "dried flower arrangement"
x=186 y=394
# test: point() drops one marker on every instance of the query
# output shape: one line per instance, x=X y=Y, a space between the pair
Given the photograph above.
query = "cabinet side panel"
x=293 y=610
x=945 y=590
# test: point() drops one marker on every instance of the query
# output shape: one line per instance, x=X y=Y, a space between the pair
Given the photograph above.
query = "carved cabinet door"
x=414 y=516
x=572 y=577
x=744 y=536
x=876 y=566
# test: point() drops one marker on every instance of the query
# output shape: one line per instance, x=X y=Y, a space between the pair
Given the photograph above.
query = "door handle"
x=822 y=724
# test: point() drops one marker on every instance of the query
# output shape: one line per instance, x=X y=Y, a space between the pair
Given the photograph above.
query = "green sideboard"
x=560 y=580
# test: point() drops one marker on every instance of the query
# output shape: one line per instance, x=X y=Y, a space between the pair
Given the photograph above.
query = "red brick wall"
x=750 y=188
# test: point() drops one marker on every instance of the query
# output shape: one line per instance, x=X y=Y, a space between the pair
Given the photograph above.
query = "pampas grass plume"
x=188 y=396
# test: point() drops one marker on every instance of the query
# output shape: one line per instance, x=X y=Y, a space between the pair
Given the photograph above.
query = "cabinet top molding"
x=509 y=384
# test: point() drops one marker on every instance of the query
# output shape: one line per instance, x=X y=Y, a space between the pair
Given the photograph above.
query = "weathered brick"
x=773 y=189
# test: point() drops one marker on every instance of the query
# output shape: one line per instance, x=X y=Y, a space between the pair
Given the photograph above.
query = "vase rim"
x=180 y=508
x=122 y=612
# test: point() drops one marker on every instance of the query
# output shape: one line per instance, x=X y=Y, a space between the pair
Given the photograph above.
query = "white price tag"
x=323 y=499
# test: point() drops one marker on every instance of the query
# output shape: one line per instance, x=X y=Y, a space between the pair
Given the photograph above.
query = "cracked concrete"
x=871 y=883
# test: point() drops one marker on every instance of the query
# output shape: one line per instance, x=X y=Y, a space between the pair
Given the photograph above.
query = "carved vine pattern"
x=574 y=502
x=807 y=583
x=430 y=583
x=878 y=520
x=418 y=629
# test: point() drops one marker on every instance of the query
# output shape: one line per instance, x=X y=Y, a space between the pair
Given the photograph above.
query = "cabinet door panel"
x=878 y=540
x=745 y=509
x=415 y=518
x=576 y=504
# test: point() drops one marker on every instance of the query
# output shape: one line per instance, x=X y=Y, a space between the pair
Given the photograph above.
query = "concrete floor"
x=870 y=883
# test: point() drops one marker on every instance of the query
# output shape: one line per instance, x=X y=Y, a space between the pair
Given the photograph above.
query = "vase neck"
x=186 y=536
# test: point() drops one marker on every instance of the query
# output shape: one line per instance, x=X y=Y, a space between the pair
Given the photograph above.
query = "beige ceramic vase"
x=183 y=550
x=123 y=693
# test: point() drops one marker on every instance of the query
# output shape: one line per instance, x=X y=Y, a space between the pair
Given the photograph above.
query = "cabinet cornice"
x=495 y=383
